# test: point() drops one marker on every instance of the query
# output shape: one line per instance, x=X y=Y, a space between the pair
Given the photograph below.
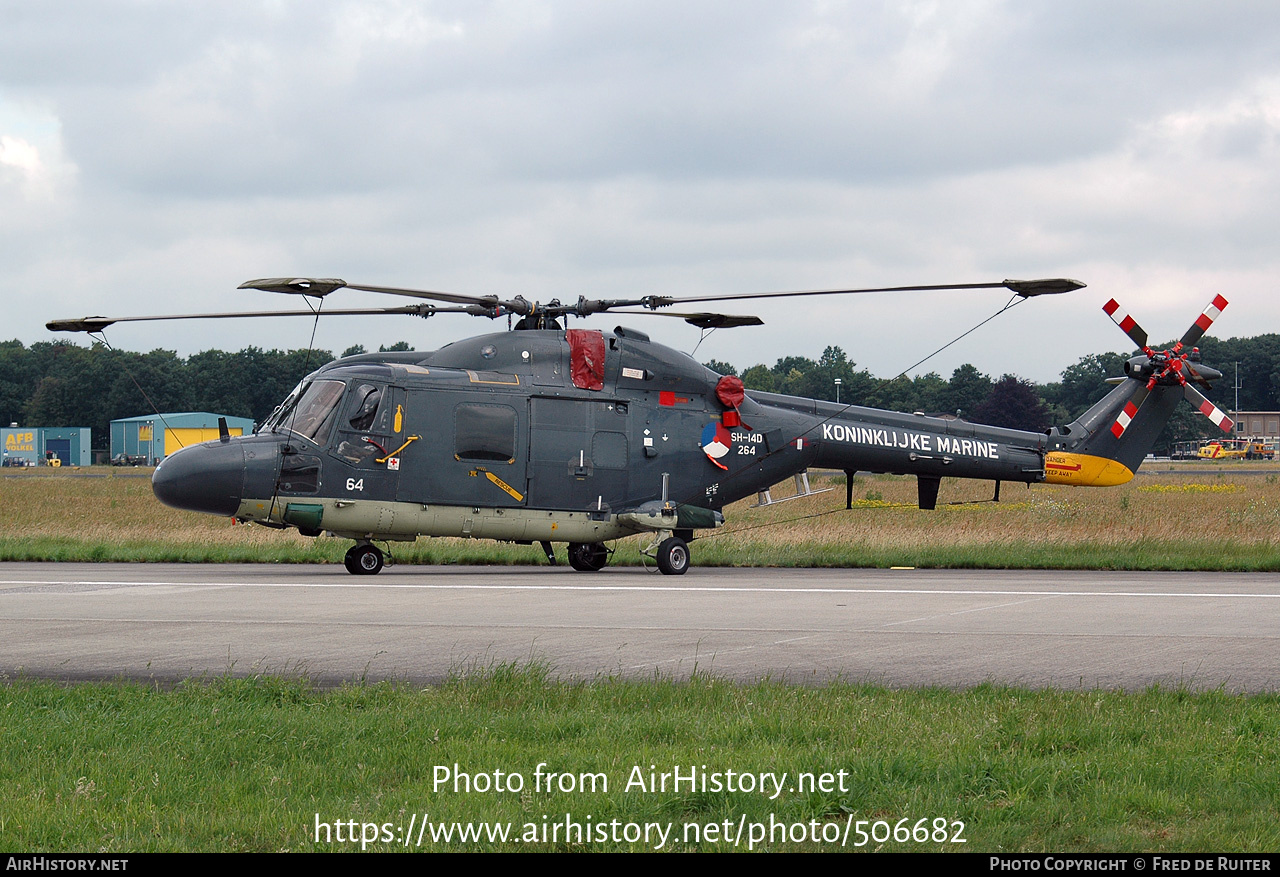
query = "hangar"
x=155 y=436
x=27 y=446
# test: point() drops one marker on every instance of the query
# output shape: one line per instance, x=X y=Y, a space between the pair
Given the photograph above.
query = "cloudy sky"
x=153 y=155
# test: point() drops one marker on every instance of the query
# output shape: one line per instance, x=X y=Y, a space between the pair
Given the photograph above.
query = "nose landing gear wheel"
x=363 y=560
x=588 y=556
x=673 y=557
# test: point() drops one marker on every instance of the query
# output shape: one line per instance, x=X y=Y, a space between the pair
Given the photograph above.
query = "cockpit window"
x=365 y=406
x=314 y=413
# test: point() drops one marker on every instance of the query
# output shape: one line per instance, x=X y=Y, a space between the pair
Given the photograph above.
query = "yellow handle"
x=407 y=442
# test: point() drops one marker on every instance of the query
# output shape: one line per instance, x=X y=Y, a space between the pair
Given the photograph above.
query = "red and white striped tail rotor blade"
x=1207 y=408
x=1204 y=321
x=1130 y=326
x=1128 y=412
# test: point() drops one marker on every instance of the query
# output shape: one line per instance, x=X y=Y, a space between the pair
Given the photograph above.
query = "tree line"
x=57 y=383
x=63 y=384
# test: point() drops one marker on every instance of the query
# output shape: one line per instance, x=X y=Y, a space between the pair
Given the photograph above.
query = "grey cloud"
x=557 y=149
x=229 y=99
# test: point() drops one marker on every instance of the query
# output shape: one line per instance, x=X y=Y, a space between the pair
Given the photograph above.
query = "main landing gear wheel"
x=588 y=556
x=673 y=557
x=363 y=560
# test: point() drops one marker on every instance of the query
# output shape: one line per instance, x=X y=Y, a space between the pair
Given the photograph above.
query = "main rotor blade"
x=1127 y=323
x=452 y=297
x=97 y=324
x=1207 y=408
x=702 y=321
x=322 y=287
x=316 y=288
x=1203 y=322
x=497 y=307
x=1024 y=288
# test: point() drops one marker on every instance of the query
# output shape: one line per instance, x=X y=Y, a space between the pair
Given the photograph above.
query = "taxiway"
x=421 y=624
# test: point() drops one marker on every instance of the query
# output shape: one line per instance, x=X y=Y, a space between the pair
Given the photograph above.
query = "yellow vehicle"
x=1237 y=449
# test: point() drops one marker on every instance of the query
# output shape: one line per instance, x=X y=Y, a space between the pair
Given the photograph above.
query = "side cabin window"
x=368 y=412
x=364 y=407
x=485 y=432
x=299 y=473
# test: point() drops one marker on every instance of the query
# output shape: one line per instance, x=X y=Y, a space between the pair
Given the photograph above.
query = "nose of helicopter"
x=202 y=478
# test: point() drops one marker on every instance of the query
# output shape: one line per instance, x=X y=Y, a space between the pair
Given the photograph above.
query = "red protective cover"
x=586 y=358
x=730 y=392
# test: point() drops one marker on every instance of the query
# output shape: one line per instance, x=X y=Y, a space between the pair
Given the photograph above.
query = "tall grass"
x=1192 y=517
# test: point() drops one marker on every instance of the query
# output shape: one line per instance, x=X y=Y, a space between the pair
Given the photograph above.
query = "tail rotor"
x=1129 y=411
x=1203 y=322
x=1127 y=324
x=1173 y=367
x=1207 y=408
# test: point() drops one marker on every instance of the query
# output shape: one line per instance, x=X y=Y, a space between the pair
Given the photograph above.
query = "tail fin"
x=1108 y=443
x=1105 y=445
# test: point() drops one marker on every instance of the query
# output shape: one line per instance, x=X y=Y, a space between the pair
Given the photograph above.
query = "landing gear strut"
x=588 y=556
x=364 y=559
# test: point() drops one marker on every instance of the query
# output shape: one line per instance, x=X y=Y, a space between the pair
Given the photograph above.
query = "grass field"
x=253 y=764
x=1191 y=516
x=257 y=763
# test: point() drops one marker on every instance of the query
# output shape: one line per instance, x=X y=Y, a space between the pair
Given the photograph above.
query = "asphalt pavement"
x=905 y=628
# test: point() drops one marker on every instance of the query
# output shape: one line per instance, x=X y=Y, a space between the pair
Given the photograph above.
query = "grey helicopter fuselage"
x=493 y=437
x=583 y=436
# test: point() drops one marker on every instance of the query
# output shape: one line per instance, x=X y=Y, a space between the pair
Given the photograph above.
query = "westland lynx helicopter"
x=550 y=434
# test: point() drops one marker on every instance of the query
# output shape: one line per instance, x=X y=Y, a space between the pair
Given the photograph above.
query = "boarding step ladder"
x=803 y=489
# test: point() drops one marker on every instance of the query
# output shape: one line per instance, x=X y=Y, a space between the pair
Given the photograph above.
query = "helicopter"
x=551 y=434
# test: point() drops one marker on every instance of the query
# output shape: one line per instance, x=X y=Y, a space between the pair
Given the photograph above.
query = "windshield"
x=273 y=419
x=313 y=413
